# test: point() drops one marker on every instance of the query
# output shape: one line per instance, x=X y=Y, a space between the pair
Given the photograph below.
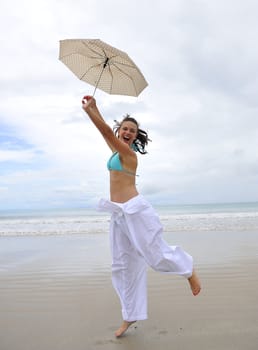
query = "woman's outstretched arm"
x=90 y=107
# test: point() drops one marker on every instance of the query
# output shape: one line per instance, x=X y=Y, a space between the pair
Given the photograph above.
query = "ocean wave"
x=99 y=224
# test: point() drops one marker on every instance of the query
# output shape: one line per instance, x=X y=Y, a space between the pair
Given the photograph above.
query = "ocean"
x=175 y=218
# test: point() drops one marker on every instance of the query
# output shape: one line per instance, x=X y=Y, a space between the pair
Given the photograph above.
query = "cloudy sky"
x=200 y=108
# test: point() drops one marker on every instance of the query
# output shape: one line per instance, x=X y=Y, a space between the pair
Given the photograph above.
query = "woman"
x=135 y=229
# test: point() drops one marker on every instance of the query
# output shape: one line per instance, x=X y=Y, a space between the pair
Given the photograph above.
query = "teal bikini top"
x=114 y=163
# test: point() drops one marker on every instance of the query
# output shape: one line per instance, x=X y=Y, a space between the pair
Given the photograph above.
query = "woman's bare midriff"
x=122 y=186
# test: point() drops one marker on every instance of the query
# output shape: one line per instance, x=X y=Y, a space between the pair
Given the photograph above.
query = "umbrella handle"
x=104 y=66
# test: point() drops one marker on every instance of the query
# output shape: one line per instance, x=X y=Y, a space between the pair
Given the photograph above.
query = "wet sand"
x=56 y=293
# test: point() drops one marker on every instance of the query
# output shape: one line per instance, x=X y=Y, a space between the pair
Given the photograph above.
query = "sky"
x=200 y=108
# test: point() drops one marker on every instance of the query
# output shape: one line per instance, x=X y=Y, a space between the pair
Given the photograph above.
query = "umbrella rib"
x=97 y=53
x=124 y=64
x=92 y=50
x=70 y=54
x=118 y=68
x=91 y=67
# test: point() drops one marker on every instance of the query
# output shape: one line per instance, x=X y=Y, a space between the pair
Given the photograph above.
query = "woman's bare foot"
x=125 y=325
x=194 y=283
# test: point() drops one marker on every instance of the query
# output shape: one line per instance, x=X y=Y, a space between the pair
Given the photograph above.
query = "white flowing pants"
x=136 y=241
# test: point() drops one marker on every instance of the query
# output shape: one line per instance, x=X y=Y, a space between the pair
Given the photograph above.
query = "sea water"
x=175 y=218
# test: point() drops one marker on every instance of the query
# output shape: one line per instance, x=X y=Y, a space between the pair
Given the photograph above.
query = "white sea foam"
x=184 y=218
x=211 y=222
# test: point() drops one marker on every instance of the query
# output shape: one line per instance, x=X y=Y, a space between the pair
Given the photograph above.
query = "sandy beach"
x=56 y=293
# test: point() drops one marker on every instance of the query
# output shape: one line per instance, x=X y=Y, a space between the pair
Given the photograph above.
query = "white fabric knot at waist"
x=132 y=206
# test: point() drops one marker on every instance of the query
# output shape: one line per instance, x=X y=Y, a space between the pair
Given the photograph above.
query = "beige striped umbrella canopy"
x=102 y=66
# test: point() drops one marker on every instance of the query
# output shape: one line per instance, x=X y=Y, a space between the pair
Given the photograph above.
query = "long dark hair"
x=142 y=137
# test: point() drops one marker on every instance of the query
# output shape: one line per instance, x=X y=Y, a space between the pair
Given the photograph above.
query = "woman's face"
x=128 y=132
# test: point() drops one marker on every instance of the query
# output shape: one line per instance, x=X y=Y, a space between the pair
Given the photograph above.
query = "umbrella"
x=102 y=66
